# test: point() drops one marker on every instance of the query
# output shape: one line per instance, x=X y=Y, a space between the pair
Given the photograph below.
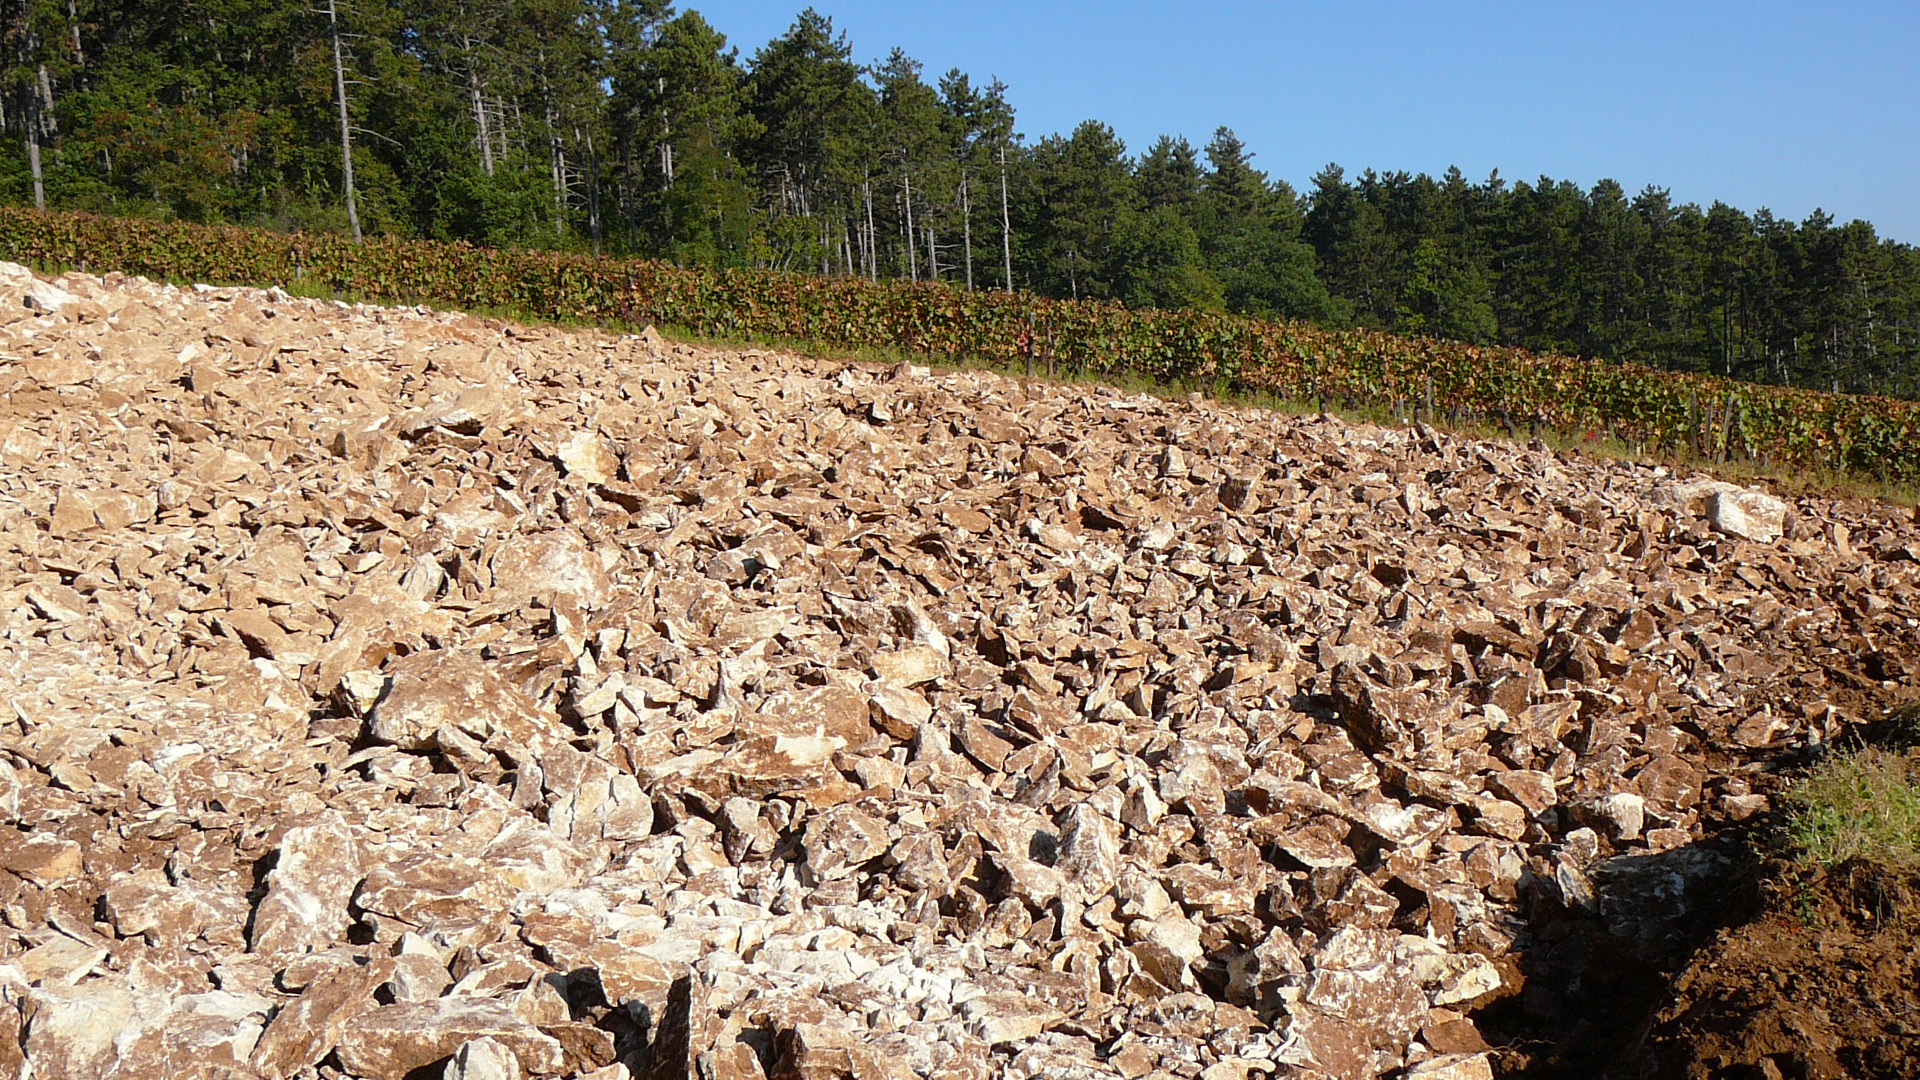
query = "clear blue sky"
x=1786 y=106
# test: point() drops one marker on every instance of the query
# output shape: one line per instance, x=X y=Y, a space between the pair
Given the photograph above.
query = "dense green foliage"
x=1859 y=803
x=1658 y=411
x=623 y=127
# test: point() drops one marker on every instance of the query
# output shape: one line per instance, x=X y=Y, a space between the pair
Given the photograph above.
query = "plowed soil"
x=1824 y=984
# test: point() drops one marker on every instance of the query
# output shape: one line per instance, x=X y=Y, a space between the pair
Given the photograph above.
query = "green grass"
x=1856 y=803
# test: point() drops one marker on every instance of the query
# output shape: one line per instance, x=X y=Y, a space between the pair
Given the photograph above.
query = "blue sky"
x=1787 y=106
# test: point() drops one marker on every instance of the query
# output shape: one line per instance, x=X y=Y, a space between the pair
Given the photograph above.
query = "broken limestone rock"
x=453 y=702
x=305 y=908
x=395 y=692
x=390 y=1041
x=1749 y=515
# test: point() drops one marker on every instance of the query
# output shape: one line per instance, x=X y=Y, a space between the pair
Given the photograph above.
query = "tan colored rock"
x=308 y=1028
x=484 y=1059
x=593 y=802
x=548 y=565
x=116 y=1029
x=468 y=413
x=61 y=961
x=1669 y=782
x=910 y=666
x=1622 y=814
x=41 y=296
x=838 y=842
x=1453 y=1067
x=39 y=857
x=1749 y=515
x=418 y=977
x=589 y=457
x=1008 y=1017
x=1531 y=788
x=305 y=908
x=830 y=711
x=450 y=701
x=390 y=1041
x=902 y=709
x=145 y=903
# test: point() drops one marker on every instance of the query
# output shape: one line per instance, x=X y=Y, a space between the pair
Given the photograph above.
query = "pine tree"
x=1250 y=233
x=678 y=117
x=1169 y=176
x=815 y=119
x=1083 y=195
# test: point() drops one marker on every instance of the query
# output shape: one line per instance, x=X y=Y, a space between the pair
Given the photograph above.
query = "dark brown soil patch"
x=1823 y=985
x=1708 y=963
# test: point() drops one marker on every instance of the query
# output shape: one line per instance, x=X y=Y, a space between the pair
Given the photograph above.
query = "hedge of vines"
x=1658 y=411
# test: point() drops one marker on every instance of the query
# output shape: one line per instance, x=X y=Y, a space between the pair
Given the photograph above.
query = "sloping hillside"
x=389 y=686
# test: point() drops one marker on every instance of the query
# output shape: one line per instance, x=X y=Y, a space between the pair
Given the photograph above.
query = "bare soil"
x=1824 y=984
x=1776 y=970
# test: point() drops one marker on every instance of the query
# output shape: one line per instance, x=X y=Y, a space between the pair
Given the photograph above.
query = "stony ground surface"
x=390 y=693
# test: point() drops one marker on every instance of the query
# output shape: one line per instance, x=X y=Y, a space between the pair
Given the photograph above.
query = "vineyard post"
x=1723 y=446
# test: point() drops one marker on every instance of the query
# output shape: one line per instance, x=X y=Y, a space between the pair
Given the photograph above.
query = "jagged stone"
x=484 y=1059
x=1748 y=515
x=305 y=908
x=564 y=702
x=307 y=1029
x=390 y=1041
x=453 y=702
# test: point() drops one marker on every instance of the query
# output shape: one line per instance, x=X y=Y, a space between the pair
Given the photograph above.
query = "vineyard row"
x=1657 y=411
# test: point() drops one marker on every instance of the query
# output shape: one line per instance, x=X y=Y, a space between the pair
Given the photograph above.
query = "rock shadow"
x=1599 y=953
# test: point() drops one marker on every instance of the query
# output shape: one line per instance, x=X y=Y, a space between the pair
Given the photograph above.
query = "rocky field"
x=400 y=694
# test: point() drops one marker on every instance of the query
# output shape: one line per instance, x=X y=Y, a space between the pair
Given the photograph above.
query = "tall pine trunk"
x=556 y=150
x=1006 y=222
x=913 y=265
x=39 y=124
x=666 y=137
x=346 y=124
x=33 y=148
x=593 y=187
x=966 y=228
x=873 y=237
x=481 y=137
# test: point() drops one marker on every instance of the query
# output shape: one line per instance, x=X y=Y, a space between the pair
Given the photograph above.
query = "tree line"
x=626 y=127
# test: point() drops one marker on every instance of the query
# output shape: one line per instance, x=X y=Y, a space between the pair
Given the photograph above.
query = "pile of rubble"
x=393 y=693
